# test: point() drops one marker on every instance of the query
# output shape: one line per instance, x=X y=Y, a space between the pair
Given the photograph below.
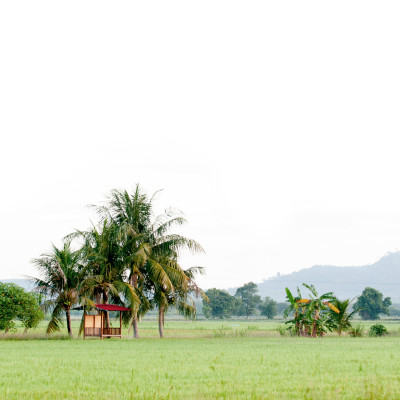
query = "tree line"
x=131 y=257
x=246 y=302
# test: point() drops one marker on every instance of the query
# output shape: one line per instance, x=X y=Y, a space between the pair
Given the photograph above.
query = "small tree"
x=250 y=300
x=221 y=304
x=298 y=324
x=371 y=303
x=341 y=321
x=17 y=304
x=268 y=308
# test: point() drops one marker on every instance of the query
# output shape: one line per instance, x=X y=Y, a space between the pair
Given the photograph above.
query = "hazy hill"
x=345 y=282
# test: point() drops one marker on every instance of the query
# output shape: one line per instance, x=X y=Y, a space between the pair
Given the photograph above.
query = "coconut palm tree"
x=60 y=280
x=131 y=215
x=144 y=242
x=178 y=295
x=103 y=268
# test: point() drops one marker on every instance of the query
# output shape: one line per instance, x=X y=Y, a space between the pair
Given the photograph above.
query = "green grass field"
x=205 y=360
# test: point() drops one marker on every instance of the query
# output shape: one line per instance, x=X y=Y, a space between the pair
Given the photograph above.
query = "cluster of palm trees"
x=128 y=258
x=315 y=316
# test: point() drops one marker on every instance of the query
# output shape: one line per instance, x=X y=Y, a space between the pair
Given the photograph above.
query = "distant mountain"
x=345 y=282
x=25 y=283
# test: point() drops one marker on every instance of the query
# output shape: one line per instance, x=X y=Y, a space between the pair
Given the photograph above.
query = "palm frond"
x=55 y=322
x=157 y=274
x=185 y=309
x=177 y=243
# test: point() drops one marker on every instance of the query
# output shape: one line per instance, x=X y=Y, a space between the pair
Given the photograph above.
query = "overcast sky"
x=273 y=126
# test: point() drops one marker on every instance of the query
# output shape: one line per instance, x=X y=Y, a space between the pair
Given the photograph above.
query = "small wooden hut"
x=94 y=325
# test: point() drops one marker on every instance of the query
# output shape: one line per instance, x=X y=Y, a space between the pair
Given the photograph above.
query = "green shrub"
x=17 y=304
x=282 y=330
x=378 y=330
x=356 y=331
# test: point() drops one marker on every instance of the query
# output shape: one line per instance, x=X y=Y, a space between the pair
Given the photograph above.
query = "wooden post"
x=120 y=324
x=84 y=324
x=101 y=314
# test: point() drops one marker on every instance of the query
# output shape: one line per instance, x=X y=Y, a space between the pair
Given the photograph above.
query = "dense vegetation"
x=129 y=258
x=132 y=258
x=313 y=316
x=18 y=305
x=246 y=302
x=371 y=303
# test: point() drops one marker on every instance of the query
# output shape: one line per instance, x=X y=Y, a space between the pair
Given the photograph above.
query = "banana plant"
x=297 y=323
x=310 y=316
x=315 y=306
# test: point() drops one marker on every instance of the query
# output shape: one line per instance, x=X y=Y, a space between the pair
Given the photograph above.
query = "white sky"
x=273 y=125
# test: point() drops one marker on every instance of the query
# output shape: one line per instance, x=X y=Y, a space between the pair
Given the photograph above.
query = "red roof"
x=111 y=307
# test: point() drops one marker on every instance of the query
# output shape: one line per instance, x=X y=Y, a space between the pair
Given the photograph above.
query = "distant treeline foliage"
x=246 y=302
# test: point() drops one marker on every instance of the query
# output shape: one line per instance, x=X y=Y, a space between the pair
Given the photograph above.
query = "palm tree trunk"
x=134 y=283
x=105 y=301
x=161 y=320
x=135 y=327
x=68 y=315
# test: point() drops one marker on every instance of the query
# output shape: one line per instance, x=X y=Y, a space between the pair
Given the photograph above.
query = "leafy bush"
x=17 y=304
x=356 y=331
x=378 y=330
x=282 y=330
